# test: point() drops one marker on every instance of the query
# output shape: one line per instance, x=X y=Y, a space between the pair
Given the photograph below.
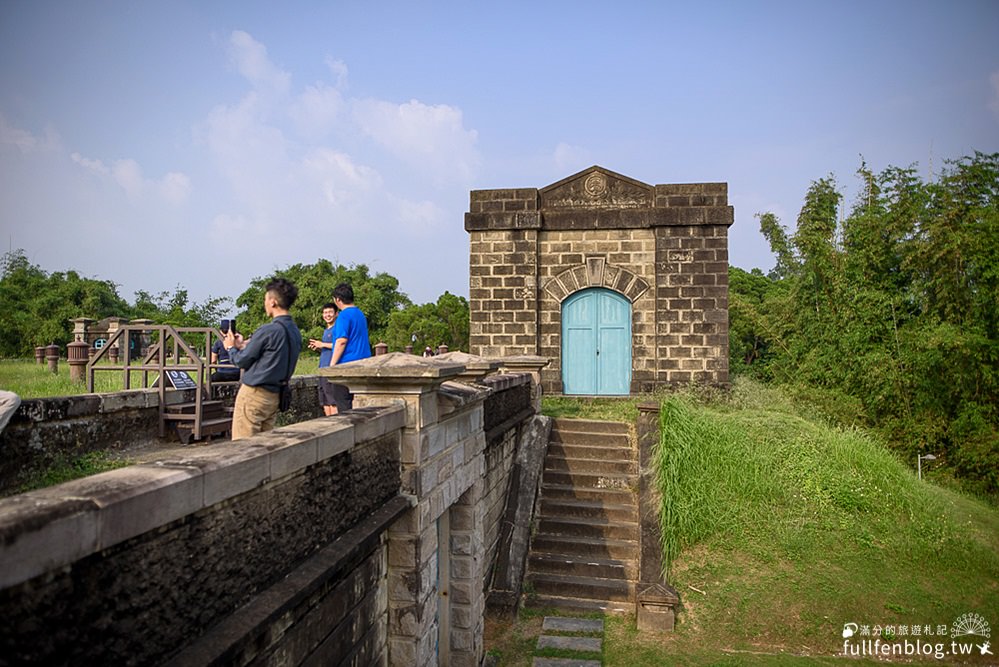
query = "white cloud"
x=128 y=175
x=994 y=101
x=419 y=215
x=339 y=69
x=316 y=110
x=25 y=141
x=250 y=58
x=430 y=137
x=95 y=166
x=174 y=188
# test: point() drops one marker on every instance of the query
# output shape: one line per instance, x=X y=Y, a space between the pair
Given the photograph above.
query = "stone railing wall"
x=46 y=429
x=364 y=538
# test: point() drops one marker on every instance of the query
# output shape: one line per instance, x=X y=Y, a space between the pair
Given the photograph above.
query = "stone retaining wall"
x=364 y=538
x=46 y=429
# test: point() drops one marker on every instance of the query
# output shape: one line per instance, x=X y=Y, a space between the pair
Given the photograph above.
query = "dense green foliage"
x=893 y=309
x=430 y=325
x=392 y=317
x=38 y=306
x=377 y=296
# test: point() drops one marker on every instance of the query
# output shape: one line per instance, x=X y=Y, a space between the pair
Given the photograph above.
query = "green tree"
x=378 y=296
x=430 y=325
x=896 y=307
x=38 y=307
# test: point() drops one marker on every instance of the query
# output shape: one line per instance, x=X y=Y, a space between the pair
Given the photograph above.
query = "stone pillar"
x=380 y=349
x=40 y=355
x=466 y=556
x=76 y=355
x=80 y=327
x=527 y=364
x=431 y=621
x=409 y=349
x=656 y=602
x=115 y=323
x=52 y=356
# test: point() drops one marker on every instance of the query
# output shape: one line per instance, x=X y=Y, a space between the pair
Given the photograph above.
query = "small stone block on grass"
x=564 y=662
x=586 y=644
x=561 y=624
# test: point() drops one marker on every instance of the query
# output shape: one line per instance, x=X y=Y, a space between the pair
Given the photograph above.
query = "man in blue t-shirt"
x=350 y=339
x=325 y=347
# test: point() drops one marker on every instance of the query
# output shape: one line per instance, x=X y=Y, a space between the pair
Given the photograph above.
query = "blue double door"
x=596 y=343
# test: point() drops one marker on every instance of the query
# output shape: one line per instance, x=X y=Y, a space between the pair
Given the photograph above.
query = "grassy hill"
x=783 y=527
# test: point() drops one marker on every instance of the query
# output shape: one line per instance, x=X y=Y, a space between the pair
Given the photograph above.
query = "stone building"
x=623 y=285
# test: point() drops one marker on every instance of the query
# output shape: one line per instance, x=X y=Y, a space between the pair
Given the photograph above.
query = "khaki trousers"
x=255 y=411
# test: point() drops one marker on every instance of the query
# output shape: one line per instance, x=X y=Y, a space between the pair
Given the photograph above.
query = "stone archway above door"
x=596 y=272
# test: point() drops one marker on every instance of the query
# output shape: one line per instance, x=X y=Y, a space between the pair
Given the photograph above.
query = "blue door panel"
x=596 y=343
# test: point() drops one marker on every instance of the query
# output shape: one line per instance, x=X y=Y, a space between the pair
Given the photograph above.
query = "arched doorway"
x=596 y=343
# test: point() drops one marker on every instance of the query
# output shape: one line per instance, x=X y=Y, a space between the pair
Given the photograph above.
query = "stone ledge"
x=49 y=528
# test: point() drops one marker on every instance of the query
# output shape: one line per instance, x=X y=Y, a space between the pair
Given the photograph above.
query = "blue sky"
x=203 y=144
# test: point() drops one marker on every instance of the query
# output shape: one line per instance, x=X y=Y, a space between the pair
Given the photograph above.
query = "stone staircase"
x=585 y=550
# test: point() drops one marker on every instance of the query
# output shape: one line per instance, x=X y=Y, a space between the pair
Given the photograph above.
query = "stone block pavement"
x=564 y=634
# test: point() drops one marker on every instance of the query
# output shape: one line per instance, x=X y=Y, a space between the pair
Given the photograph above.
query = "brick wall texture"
x=663 y=247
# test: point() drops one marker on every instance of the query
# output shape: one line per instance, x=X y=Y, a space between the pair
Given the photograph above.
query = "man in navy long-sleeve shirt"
x=268 y=359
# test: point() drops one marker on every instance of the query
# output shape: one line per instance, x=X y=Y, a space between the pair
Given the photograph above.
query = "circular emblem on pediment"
x=595 y=185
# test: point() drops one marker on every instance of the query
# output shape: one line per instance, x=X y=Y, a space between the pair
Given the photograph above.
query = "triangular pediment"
x=597 y=187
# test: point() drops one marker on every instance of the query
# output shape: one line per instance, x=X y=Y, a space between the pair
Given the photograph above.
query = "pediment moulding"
x=598 y=198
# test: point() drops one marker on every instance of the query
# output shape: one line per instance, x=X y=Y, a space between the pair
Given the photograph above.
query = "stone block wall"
x=146 y=564
x=663 y=247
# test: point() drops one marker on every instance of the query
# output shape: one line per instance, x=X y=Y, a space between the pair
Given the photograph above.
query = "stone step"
x=564 y=662
x=563 y=624
x=586 y=588
x=585 y=547
x=590 y=426
x=602 y=568
x=579 y=605
x=580 y=644
x=621 y=441
x=591 y=480
x=612 y=466
x=589 y=509
x=593 y=528
x=574 y=451
x=560 y=492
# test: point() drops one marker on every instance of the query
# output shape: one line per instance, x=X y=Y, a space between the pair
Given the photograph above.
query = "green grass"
x=68 y=468
x=783 y=523
x=30 y=380
x=790 y=528
x=624 y=409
